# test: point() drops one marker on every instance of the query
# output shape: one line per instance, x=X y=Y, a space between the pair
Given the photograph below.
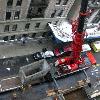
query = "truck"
x=74 y=60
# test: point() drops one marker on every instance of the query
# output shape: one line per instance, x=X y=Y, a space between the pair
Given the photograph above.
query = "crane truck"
x=73 y=61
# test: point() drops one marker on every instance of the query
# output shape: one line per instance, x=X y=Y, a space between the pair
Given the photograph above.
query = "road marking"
x=9 y=78
x=3 y=90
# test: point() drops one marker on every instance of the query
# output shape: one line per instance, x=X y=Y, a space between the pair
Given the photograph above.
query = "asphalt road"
x=11 y=66
x=37 y=92
x=97 y=56
x=77 y=95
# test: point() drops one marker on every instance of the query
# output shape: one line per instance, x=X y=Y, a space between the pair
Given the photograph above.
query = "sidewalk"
x=17 y=49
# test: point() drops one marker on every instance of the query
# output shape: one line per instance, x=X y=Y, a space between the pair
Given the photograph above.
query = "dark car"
x=38 y=56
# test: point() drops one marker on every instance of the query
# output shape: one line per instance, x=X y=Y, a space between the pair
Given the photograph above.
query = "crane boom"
x=78 y=38
x=82 y=15
x=79 y=34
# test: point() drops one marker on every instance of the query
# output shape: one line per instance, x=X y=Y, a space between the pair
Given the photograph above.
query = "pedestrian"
x=23 y=40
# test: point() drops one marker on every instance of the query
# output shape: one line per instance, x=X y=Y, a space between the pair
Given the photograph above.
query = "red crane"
x=79 y=33
x=78 y=37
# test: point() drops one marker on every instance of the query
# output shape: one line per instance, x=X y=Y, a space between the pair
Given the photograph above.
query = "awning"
x=59 y=33
x=64 y=32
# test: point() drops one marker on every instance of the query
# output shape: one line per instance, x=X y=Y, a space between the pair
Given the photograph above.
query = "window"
x=36 y=12
x=33 y=35
x=58 y=2
x=8 y=15
x=37 y=25
x=53 y=14
x=9 y=3
x=17 y=15
x=24 y=35
x=60 y=13
x=14 y=27
x=6 y=28
x=5 y=38
x=48 y=24
x=27 y=26
x=56 y=22
x=39 y=10
x=65 y=2
x=19 y=2
x=97 y=18
x=44 y=34
x=30 y=12
x=12 y=37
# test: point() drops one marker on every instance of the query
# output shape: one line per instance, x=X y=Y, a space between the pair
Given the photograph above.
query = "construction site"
x=56 y=56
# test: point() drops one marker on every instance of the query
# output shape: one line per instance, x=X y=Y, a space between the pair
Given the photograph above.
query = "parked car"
x=48 y=54
x=38 y=56
x=42 y=55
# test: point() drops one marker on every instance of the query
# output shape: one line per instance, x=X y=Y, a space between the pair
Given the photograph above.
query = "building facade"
x=93 y=7
x=30 y=17
x=74 y=11
x=95 y=11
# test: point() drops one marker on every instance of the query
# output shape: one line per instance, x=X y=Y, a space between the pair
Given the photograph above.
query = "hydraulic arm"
x=79 y=34
x=78 y=38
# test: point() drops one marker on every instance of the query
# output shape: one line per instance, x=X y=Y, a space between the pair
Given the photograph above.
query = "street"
x=17 y=56
x=10 y=66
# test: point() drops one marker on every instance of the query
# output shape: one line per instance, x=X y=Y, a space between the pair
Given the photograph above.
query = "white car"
x=48 y=54
x=85 y=47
